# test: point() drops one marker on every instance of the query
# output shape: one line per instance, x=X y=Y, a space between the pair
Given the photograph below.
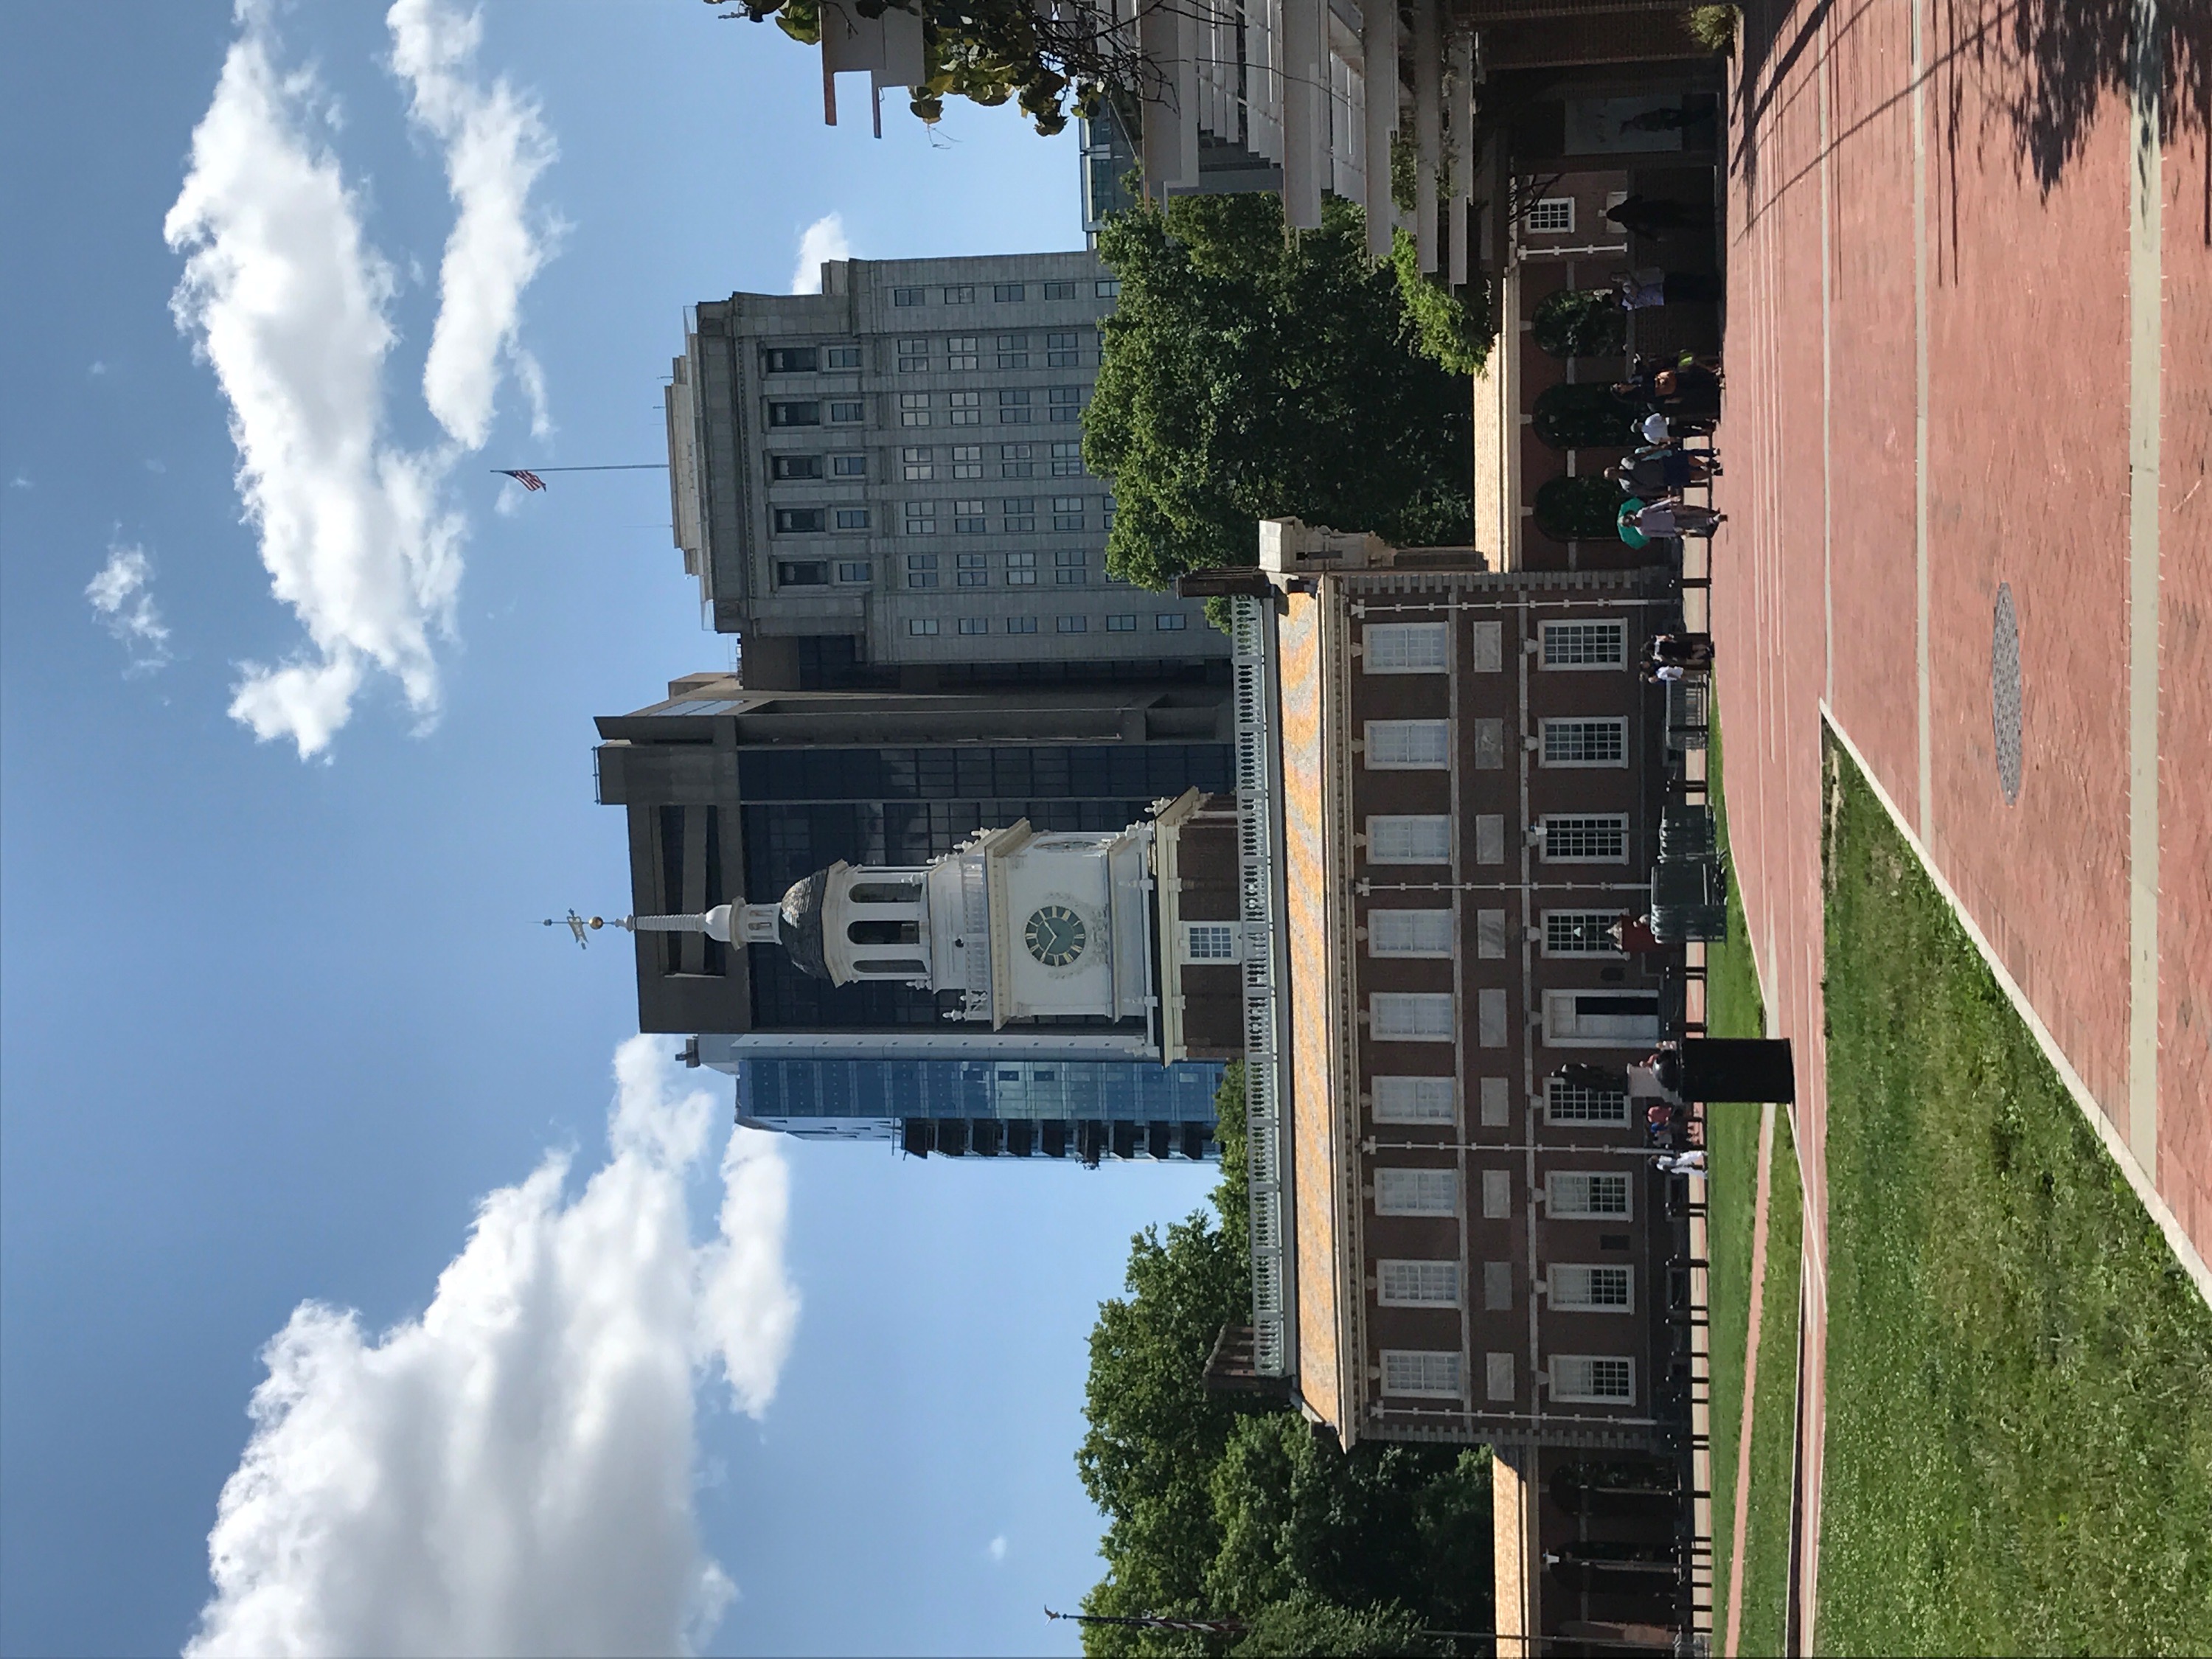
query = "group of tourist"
x=1679 y=401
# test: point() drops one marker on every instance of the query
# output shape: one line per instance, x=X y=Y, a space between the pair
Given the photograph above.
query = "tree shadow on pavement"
x=2036 y=73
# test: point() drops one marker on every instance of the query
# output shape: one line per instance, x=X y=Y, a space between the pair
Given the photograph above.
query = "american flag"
x=527 y=480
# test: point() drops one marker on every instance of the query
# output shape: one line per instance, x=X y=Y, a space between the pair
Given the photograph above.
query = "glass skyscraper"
x=1025 y=1107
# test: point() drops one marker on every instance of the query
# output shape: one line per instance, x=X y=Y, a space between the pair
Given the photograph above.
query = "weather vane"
x=581 y=927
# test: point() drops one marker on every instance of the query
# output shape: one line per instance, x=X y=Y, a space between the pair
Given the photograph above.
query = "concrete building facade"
x=884 y=484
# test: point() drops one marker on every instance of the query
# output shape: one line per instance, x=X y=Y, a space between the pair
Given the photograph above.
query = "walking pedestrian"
x=1649 y=285
x=1690 y=1163
x=1583 y=1076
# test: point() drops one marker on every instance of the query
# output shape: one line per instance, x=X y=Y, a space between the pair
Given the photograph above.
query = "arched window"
x=884 y=933
x=895 y=965
x=885 y=892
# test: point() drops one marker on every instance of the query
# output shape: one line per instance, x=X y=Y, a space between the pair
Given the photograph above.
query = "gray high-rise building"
x=883 y=485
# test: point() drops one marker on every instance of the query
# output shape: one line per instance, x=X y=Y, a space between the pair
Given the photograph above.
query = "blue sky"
x=272 y=1028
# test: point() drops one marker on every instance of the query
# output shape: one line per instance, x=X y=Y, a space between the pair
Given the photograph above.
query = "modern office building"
x=883 y=485
x=733 y=793
x=1019 y=1106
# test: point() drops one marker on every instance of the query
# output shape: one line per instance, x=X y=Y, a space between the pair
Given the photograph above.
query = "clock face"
x=1055 y=935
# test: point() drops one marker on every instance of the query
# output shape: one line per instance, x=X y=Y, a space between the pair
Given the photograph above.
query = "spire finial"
x=580 y=926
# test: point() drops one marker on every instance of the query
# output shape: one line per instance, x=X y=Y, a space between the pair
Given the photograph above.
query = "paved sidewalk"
x=1969 y=339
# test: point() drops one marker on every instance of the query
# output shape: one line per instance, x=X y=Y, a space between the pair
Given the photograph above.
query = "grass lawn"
x=1734 y=1009
x=2020 y=1379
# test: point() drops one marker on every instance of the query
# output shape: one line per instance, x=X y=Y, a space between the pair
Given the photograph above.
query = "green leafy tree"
x=1216 y=1512
x=990 y=51
x=1249 y=373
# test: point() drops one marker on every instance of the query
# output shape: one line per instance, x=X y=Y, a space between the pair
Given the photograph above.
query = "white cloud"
x=996 y=1549
x=122 y=598
x=286 y=302
x=822 y=240
x=495 y=145
x=97 y=369
x=19 y=482
x=512 y=1472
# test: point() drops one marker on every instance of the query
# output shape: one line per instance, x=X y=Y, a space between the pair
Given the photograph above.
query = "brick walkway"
x=1946 y=347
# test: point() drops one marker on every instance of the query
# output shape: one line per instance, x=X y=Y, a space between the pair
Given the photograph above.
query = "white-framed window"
x=1404 y=647
x=1021 y=570
x=1417 y=1192
x=1579 y=1287
x=967 y=460
x=1418 y=1284
x=1431 y=1372
x=1554 y=215
x=1411 y=1016
x=1601 y=742
x=968 y=518
x=960 y=350
x=1592 y=1379
x=1210 y=941
x=1408 y=745
x=967 y=408
x=914 y=463
x=921 y=626
x=1572 y=1104
x=1585 y=838
x=1588 y=1194
x=1409 y=933
x=1409 y=839
x=1416 y=1099
x=1585 y=644
x=1579 y=932
x=1601 y=1019
x=914 y=408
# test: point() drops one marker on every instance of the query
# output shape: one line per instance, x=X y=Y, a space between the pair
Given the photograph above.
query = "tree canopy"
x=990 y=51
x=1249 y=373
x=1216 y=1512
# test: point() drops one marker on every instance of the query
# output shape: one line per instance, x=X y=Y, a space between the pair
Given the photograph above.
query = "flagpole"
x=627 y=467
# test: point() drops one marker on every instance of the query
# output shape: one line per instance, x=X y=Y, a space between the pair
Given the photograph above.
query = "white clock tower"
x=1037 y=934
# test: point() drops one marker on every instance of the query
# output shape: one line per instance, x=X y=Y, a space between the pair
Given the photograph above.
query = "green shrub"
x=1581 y=322
x=1713 y=27
x=1579 y=510
x=1582 y=416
